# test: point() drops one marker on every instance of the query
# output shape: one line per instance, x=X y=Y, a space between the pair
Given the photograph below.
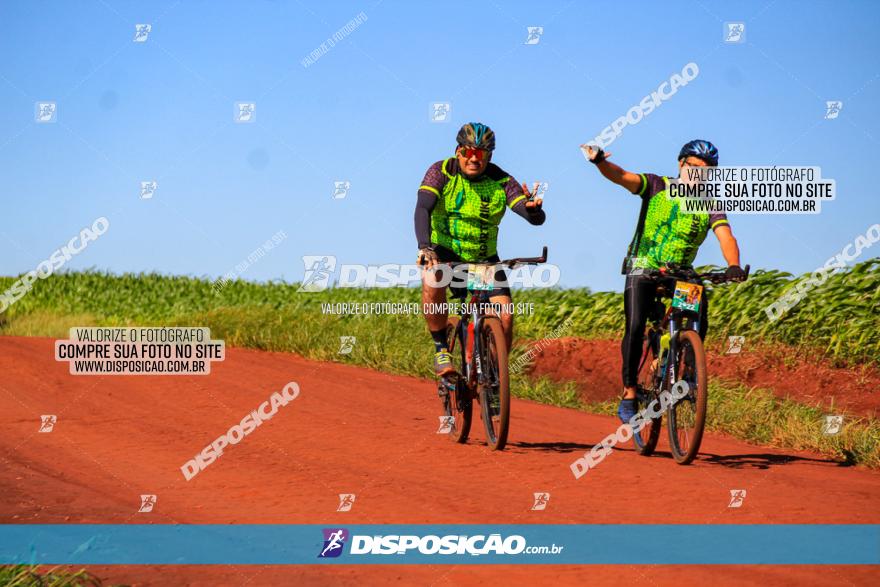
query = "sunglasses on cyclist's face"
x=694 y=162
x=468 y=152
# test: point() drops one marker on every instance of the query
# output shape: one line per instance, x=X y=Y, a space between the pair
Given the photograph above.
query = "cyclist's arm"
x=516 y=198
x=429 y=190
x=729 y=246
x=535 y=216
x=425 y=203
x=615 y=173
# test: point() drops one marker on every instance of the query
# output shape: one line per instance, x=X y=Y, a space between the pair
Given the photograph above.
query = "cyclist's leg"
x=505 y=315
x=637 y=298
x=434 y=298
x=434 y=285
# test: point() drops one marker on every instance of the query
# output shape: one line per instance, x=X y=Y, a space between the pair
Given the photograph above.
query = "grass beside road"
x=758 y=416
x=274 y=316
x=838 y=320
x=34 y=576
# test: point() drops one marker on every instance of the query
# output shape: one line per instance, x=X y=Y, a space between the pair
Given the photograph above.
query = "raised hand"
x=594 y=154
x=532 y=205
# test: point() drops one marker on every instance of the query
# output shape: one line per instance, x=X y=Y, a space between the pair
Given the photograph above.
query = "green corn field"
x=838 y=320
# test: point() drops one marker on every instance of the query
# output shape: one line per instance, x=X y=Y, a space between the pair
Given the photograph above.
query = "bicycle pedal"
x=447 y=383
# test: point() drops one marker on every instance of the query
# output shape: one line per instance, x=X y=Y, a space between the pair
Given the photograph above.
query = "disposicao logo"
x=334 y=540
x=432 y=544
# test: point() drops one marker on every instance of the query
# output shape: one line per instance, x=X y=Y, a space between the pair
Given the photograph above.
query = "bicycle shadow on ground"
x=743 y=461
x=761 y=460
x=557 y=447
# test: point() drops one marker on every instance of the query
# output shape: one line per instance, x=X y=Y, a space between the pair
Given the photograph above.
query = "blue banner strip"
x=267 y=544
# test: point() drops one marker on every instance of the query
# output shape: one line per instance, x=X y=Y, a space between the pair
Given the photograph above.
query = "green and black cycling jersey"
x=669 y=235
x=462 y=214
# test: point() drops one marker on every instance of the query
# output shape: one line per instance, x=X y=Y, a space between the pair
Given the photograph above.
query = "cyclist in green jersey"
x=668 y=235
x=460 y=204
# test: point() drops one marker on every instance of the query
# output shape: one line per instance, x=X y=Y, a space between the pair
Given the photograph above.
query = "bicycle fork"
x=674 y=330
x=671 y=362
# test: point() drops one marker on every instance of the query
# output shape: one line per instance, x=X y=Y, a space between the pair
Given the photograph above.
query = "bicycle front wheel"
x=687 y=416
x=495 y=386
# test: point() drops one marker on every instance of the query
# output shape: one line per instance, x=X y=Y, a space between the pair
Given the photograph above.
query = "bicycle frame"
x=479 y=300
x=674 y=318
x=672 y=321
x=475 y=316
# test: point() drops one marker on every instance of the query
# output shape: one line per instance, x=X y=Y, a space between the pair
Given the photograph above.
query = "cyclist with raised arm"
x=460 y=204
x=665 y=234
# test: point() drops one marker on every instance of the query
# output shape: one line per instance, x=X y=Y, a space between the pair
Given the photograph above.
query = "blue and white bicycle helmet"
x=701 y=150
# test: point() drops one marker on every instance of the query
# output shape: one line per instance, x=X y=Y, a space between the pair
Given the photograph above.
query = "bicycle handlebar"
x=526 y=260
x=673 y=270
x=720 y=276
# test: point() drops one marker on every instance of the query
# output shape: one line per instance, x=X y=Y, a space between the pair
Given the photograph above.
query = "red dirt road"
x=353 y=430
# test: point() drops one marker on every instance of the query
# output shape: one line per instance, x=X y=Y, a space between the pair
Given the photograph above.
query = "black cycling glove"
x=735 y=273
x=600 y=156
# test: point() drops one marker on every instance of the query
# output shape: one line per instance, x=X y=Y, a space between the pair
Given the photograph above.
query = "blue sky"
x=163 y=110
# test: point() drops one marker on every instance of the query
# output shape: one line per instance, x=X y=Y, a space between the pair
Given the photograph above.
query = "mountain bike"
x=673 y=352
x=479 y=355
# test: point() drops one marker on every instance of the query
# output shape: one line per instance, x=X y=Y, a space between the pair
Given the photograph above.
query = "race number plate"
x=481 y=277
x=687 y=296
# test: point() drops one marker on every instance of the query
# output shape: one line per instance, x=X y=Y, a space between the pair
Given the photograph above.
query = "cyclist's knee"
x=431 y=291
x=434 y=280
x=501 y=308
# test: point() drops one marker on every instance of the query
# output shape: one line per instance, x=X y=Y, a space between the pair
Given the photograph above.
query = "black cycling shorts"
x=639 y=298
x=460 y=291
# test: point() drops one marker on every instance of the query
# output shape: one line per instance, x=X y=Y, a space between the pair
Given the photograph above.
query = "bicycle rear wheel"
x=457 y=402
x=646 y=439
x=687 y=416
x=495 y=390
